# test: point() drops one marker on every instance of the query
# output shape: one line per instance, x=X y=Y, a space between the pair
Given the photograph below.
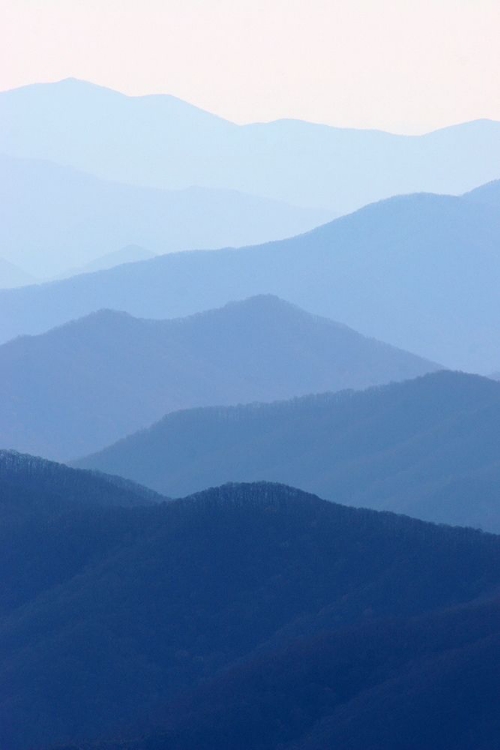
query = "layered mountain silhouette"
x=147 y=250
x=132 y=608
x=419 y=272
x=79 y=387
x=164 y=142
x=54 y=218
x=426 y=447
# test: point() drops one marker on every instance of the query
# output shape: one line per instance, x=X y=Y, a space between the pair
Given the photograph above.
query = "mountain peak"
x=116 y=373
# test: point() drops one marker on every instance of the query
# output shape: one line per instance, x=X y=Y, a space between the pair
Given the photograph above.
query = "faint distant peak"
x=72 y=81
x=72 y=84
x=87 y=91
x=79 y=86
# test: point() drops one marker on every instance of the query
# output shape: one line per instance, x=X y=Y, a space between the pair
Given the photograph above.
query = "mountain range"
x=277 y=526
x=113 y=616
x=53 y=218
x=79 y=387
x=161 y=141
x=426 y=447
x=419 y=272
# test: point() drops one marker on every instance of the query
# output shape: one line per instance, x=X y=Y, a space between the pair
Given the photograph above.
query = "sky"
x=406 y=66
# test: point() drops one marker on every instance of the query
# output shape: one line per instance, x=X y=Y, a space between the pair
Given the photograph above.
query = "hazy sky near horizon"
x=401 y=65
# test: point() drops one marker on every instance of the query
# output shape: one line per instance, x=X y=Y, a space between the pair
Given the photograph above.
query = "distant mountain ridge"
x=164 y=142
x=419 y=272
x=426 y=447
x=54 y=218
x=88 y=383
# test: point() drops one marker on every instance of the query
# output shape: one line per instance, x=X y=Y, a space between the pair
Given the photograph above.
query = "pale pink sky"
x=400 y=65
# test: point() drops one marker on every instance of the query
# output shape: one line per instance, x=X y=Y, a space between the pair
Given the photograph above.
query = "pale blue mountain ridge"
x=419 y=272
x=53 y=218
x=83 y=385
x=164 y=142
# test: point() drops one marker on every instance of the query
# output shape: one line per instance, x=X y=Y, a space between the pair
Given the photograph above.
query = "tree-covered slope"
x=72 y=487
x=170 y=594
x=426 y=447
x=42 y=503
x=414 y=683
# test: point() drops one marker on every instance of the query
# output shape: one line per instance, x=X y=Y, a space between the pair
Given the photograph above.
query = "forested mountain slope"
x=414 y=683
x=72 y=487
x=41 y=505
x=148 y=601
x=426 y=447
